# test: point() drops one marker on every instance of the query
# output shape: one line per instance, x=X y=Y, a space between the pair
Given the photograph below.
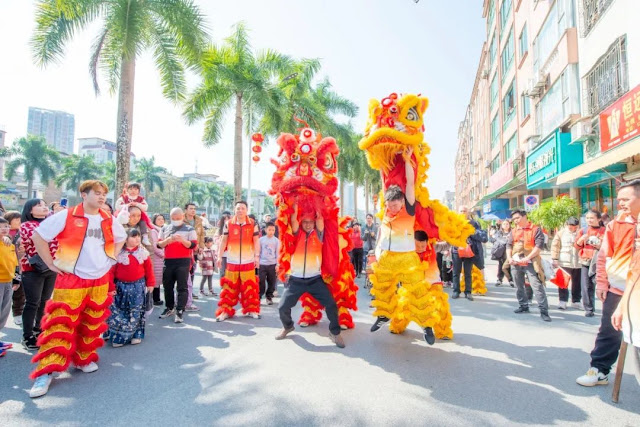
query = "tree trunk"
x=355 y=201
x=367 y=194
x=125 y=124
x=341 y=198
x=30 y=189
x=237 y=150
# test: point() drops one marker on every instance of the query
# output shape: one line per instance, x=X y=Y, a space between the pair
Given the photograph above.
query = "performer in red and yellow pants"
x=73 y=324
x=239 y=284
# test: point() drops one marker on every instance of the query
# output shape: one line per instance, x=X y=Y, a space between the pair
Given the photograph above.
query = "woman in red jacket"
x=133 y=276
x=357 y=254
x=588 y=242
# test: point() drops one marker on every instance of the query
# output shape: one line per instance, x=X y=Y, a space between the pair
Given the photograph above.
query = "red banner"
x=503 y=175
x=620 y=122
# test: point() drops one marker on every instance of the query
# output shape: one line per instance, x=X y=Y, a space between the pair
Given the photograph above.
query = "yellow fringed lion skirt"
x=403 y=294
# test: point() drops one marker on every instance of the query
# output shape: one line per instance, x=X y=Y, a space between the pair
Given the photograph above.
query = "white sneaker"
x=135 y=341
x=344 y=327
x=577 y=306
x=40 y=386
x=303 y=324
x=562 y=305
x=592 y=378
x=87 y=369
x=222 y=317
x=18 y=321
x=254 y=315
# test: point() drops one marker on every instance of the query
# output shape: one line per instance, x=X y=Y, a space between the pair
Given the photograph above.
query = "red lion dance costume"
x=306 y=177
x=396 y=124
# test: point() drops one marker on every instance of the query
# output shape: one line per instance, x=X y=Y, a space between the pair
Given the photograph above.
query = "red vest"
x=306 y=260
x=526 y=236
x=240 y=242
x=71 y=239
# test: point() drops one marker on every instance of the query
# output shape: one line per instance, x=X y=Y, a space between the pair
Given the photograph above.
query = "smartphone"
x=63 y=202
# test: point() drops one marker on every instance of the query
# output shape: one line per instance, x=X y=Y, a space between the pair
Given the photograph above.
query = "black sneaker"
x=469 y=297
x=521 y=309
x=545 y=316
x=429 y=337
x=30 y=343
x=589 y=314
x=498 y=284
x=167 y=312
x=36 y=332
x=269 y=301
x=455 y=295
x=159 y=302
x=512 y=284
x=381 y=320
x=178 y=318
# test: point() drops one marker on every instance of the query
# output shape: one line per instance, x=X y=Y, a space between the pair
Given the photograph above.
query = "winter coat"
x=563 y=249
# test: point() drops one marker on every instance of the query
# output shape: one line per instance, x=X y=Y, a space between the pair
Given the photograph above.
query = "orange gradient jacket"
x=614 y=257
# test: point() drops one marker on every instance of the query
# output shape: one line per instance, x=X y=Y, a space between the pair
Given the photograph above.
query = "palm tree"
x=109 y=175
x=76 y=169
x=195 y=191
x=35 y=156
x=235 y=77
x=172 y=29
x=228 y=196
x=213 y=194
x=148 y=174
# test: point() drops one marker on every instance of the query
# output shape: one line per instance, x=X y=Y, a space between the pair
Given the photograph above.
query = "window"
x=608 y=80
x=525 y=106
x=560 y=18
x=523 y=42
x=507 y=55
x=495 y=164
x=495 y=131
x=592 y=11
x=509 y=105
x=559 y=102
x=494 y=90
x=493 y=49
x=491 y=16
x=510 y=147
x=505 y=11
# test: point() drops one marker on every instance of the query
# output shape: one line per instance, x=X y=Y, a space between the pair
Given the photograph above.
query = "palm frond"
x=168 y=63
x=95 y=59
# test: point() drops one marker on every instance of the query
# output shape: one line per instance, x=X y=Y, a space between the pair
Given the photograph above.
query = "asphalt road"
x=500 y=369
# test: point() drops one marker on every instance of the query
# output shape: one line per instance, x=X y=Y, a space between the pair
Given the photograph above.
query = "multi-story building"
x=536 y=61
x=449 y=199
x=101 y=150
x=609 y=129
x=57 y=127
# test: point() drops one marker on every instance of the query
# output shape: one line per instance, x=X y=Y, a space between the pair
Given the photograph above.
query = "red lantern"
x=256 y=159
x=257 y=138
x=256 y=149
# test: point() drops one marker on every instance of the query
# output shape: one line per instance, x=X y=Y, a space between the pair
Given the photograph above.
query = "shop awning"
x=618 y=154
x=515 y=182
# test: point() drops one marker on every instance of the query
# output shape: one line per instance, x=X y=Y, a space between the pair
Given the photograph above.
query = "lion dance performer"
x=306 y=178
x=240 y=240
x=394 y=145
x=88 y=240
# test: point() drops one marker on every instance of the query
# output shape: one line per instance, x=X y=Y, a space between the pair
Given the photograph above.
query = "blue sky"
x=368 y=49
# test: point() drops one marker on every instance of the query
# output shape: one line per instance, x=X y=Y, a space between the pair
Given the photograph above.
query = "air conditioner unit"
x=532 y=91
x=582 y=131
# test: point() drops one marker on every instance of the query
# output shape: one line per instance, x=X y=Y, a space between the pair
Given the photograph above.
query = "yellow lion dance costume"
x=478 y=284
x=396 y=124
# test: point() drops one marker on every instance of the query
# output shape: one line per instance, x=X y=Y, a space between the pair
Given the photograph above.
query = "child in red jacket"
x=133 y=277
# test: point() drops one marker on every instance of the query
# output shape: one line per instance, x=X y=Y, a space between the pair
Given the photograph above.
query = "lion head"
x=395 y=123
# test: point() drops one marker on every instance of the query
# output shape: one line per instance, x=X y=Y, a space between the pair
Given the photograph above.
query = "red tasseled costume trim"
x=48 y=321
x=60 y=335
x=250 y=297
x=86 y=332
x=78 y=361
x=91 y=346
x=345 y=319
x=50 y=369
x=228 y=298
x=86 y=303
x=312 y=312
x=55 y=350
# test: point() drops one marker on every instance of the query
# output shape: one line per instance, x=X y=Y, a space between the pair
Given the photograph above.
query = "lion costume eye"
x=295 y=157
x=412 y=115
x=328 y=162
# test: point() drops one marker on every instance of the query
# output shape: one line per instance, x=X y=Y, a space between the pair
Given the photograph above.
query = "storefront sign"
x=620 y=122
x=551 y=158
x=503 y=175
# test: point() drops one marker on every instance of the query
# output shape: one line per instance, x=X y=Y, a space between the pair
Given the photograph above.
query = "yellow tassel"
x=478 y=285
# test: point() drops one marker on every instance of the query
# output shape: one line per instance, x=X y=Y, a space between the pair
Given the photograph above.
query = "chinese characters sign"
x=621 y=121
